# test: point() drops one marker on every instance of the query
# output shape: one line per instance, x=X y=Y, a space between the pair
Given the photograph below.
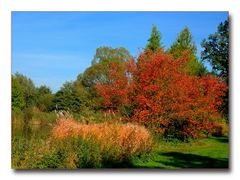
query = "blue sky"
x=54 y=47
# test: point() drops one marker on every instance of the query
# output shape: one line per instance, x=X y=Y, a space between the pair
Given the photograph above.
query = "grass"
x=205 y=153
x=33 y=147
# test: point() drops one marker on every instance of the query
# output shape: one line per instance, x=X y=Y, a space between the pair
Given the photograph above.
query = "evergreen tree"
x=183 y=44
x=154 y=42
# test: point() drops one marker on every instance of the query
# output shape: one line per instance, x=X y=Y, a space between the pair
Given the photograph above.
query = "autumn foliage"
x=164 y=96
x=115 y=92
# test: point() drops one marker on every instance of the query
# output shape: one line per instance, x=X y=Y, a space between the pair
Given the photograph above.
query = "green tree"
x=67 y=99
x=17 y=95
x=184 y=43
x=110 y=54
x=154 y=42
x=84 y=94
x=28 y=88
x=215 y=50
x=44 y=98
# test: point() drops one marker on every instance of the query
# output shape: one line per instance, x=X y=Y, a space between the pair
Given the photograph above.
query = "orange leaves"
x=164 y=90
x=128 y=138
x=115 y=93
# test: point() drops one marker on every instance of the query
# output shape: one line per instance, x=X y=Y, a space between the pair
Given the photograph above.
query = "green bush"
x=69 y=153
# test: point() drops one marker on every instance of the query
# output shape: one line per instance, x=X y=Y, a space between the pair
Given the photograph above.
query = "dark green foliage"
x=184 y=44
x=54 y=160
x=216 y=48
x=67 y=99
x=154 y=42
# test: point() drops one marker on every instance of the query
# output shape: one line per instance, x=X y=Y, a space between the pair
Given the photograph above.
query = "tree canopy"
x=216 y=49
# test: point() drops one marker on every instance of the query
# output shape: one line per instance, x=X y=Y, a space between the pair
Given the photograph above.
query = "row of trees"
x=170 y=90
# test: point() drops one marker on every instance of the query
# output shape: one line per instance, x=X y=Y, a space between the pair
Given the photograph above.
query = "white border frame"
x=6 y=6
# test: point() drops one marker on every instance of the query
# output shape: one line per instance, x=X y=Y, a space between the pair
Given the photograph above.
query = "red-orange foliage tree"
x=163 y=95
x=173 y=101
x=115 y=93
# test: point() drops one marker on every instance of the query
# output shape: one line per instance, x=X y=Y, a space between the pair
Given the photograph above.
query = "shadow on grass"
x=117 y=164
x=181 y=160
x=221 y=139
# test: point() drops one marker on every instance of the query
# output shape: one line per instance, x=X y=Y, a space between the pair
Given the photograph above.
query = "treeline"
x=168 y=90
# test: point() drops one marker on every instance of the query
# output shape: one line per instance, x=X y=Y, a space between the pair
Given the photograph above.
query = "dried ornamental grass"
x=127 y=138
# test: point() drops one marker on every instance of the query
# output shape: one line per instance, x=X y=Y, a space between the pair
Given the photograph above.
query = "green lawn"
x=205 y=153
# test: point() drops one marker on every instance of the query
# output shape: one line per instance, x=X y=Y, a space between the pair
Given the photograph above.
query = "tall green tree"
x=215 y=50
x=184 y=43
x=154 y=42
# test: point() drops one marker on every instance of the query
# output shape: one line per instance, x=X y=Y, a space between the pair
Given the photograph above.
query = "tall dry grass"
x=128 y=139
